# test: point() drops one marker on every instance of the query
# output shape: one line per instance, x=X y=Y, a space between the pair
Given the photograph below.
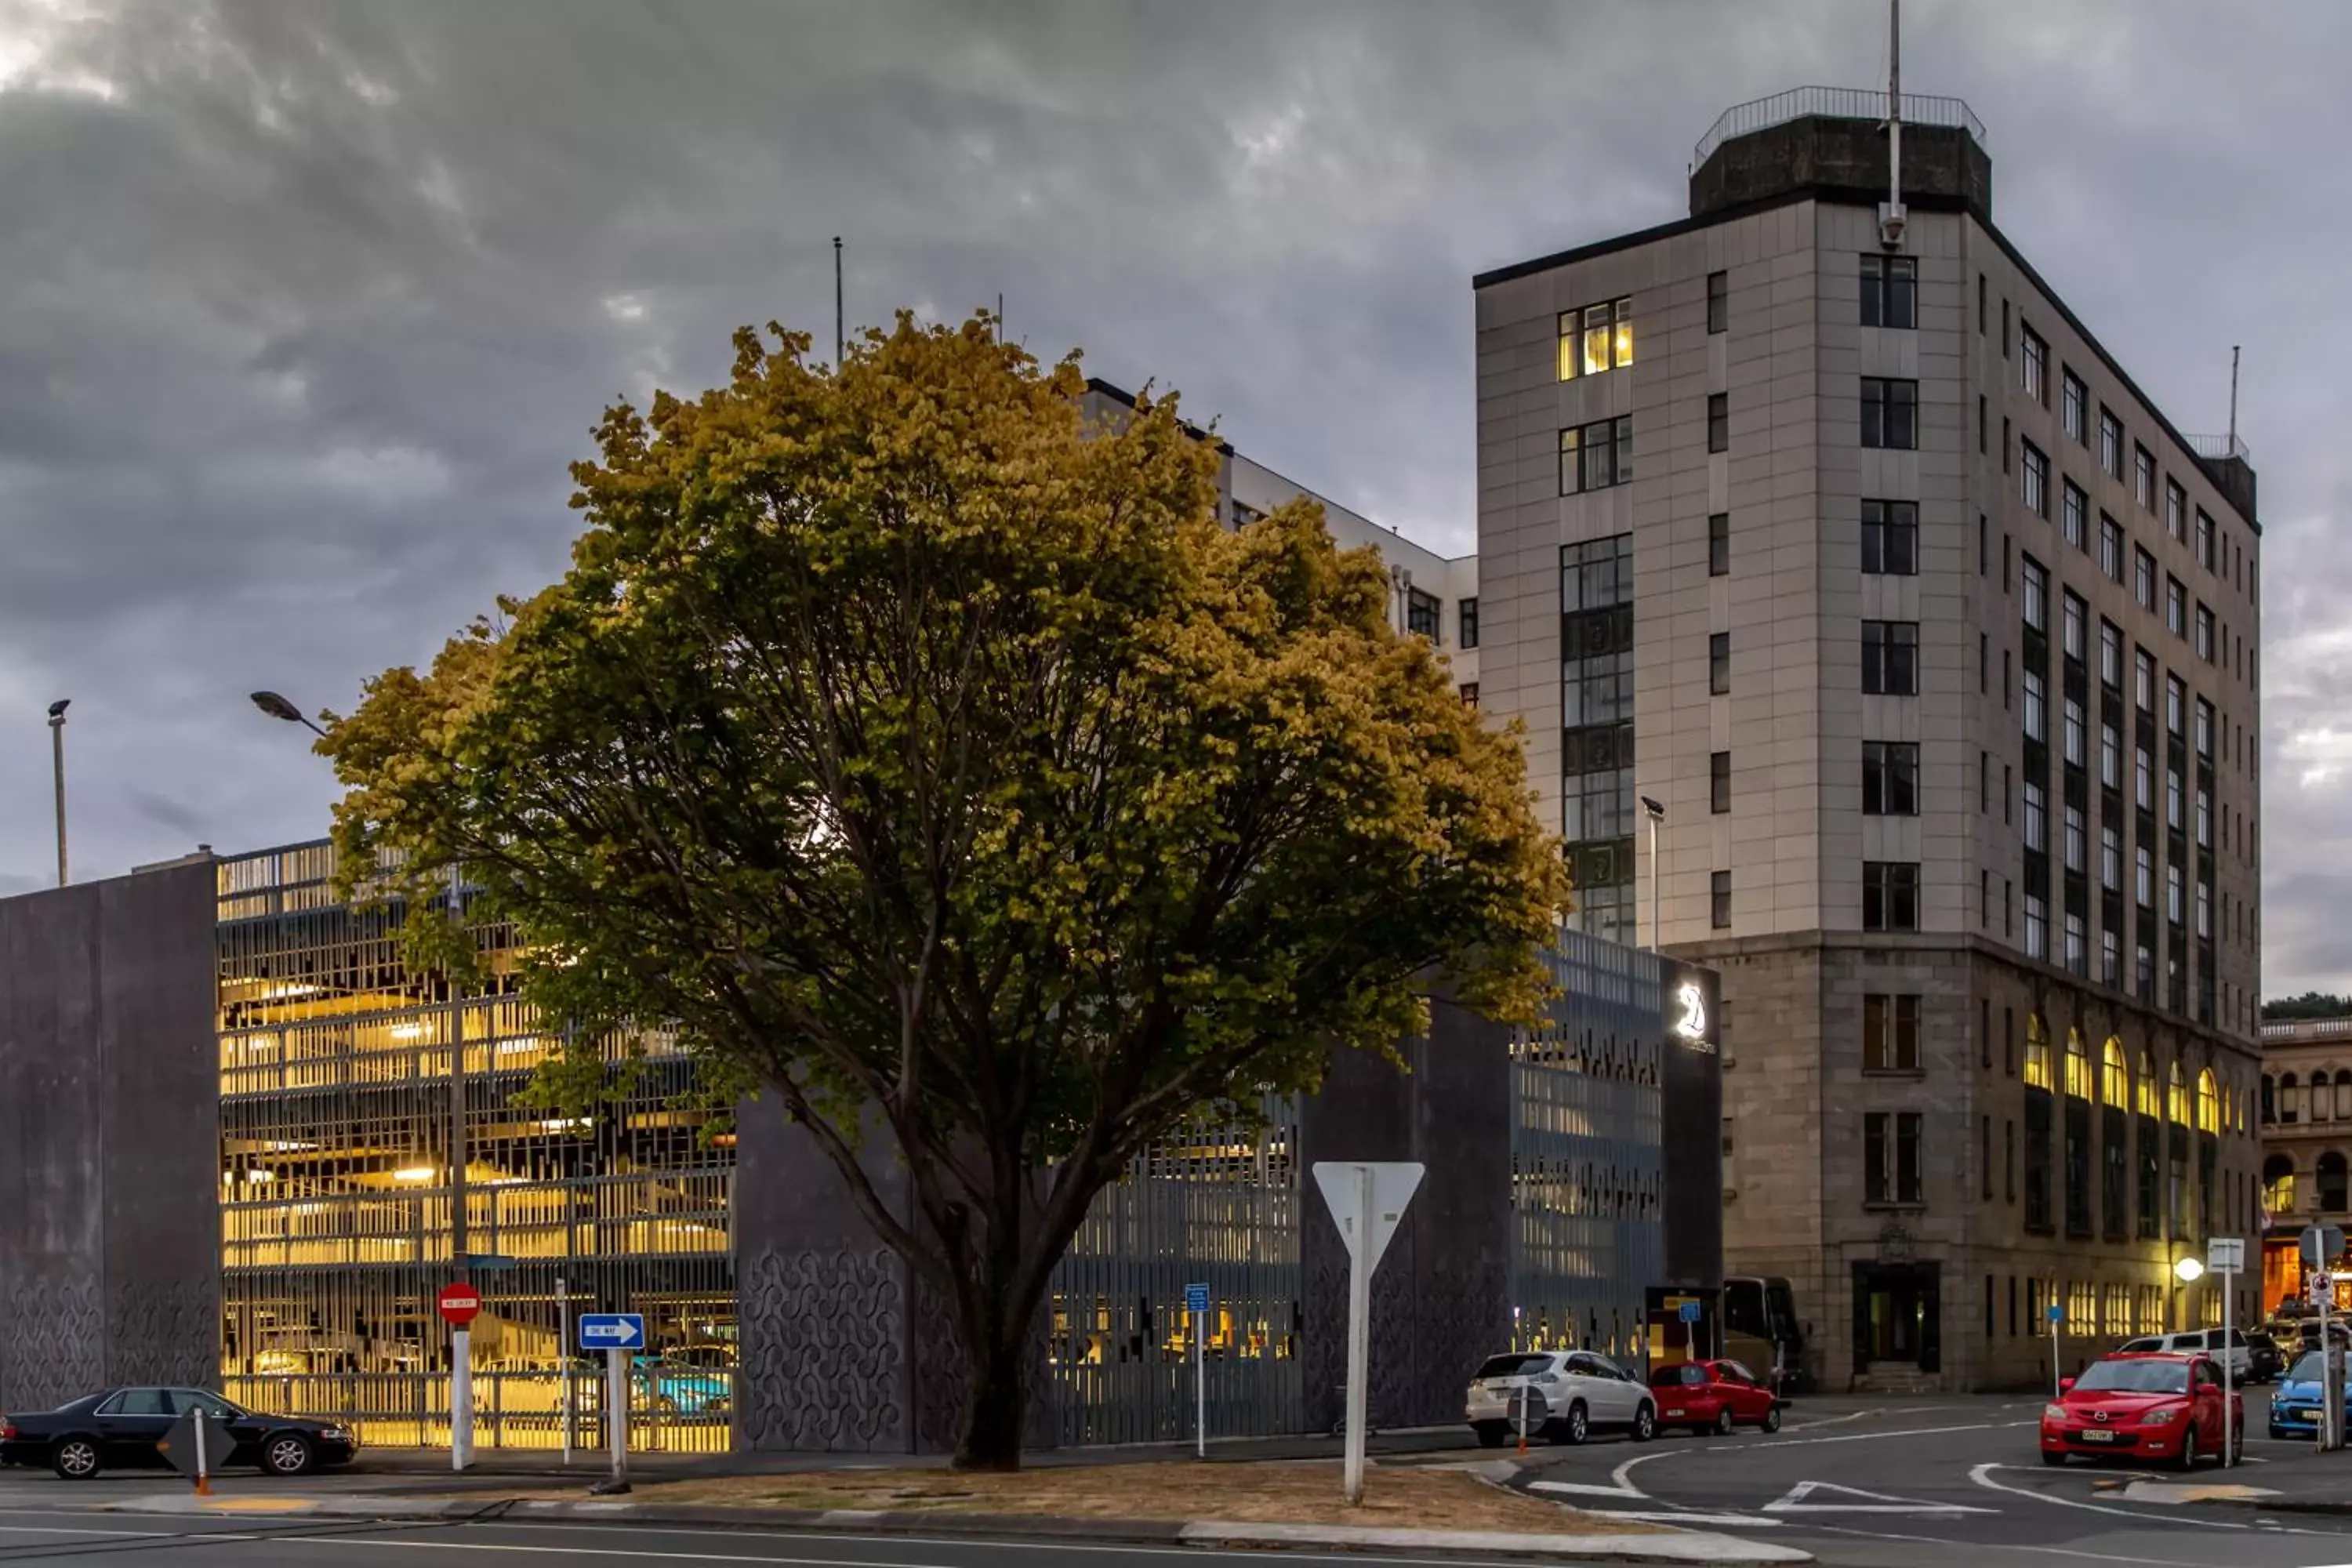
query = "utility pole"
x=57 y=757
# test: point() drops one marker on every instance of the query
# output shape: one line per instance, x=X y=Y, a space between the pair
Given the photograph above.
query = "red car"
x=2165 y=1407
x=1714 y=1396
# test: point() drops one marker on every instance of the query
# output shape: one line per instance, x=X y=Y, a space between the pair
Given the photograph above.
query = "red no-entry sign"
x=459 y=1303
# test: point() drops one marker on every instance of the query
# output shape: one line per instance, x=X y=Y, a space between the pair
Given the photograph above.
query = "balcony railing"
x=2308 y=1029
x=1837 y=104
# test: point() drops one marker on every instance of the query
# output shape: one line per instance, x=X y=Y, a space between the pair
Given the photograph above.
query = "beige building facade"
x=1935 y=643
x=2306 y=1114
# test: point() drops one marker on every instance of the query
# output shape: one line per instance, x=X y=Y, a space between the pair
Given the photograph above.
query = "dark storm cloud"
x=303 y=309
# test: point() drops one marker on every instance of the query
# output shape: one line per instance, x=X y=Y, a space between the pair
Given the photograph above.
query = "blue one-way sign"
x=612 y=1331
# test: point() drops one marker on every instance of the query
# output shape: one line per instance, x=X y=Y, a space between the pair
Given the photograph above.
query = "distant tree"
x=2310 y=1005
x=939 y=764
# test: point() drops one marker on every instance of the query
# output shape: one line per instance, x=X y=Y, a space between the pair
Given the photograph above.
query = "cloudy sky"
x=304 y=307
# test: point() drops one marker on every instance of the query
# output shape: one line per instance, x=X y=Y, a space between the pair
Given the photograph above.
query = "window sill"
x=1891 y=1206
x=1895 y=1073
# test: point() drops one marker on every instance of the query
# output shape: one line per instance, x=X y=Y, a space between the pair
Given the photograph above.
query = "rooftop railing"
x=2219 y=447
x=1836 y=102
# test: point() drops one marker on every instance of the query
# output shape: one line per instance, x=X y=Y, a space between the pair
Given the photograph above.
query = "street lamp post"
x=2187 y=1270
x=1657 y=814
x=277 y=707
x=58 y=757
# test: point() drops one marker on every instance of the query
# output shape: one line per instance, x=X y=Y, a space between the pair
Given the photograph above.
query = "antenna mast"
x=2233 y=400
x=837 y=334
x=1890 y=216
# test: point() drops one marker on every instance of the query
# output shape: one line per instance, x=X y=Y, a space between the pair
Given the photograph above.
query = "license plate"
x=1673 y=1413
x=2098 y=1437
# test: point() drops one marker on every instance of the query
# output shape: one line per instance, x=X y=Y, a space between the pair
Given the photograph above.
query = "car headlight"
x=2054 y=1413
x=333 y=1434
x=2163 y=1417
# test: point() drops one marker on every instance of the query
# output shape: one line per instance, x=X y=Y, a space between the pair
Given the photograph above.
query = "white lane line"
x=1579 y=1490
x=1982 y=1475
x=1800 y=1500
x=1972 y=1546
x=1875 y=1437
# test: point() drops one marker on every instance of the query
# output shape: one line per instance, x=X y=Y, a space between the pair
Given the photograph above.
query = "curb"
x=1665 y=1546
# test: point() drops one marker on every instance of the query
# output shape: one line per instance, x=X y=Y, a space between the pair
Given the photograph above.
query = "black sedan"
x=121 y=1428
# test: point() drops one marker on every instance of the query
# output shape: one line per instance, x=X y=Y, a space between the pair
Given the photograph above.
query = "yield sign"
x=1393 y=1185
x=1800 y=1500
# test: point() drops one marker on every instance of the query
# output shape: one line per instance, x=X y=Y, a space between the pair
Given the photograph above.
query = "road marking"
x=1690 y=1521
x=2047 y=1550
x=1982 y=1475
x=1799 y=1501
x=1581 y=1490
x=1875 y=1436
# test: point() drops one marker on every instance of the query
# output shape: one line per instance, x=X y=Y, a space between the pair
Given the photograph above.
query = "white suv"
x=1568 y=1395
x=2196 y=1341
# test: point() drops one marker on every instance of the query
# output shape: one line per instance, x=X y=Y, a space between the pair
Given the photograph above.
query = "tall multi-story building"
x=1933 y=640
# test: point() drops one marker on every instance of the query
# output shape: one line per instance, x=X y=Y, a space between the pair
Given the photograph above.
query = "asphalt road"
x=1957 y=1482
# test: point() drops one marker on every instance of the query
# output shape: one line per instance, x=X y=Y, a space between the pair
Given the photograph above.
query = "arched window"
x=2037 y=1053
x=2332 y=1183
x=2343 y=1096
x=2209 y=1100
x=2151 y=1096
x=2176 y=1097
x=2278 y=1184
x=2114 y=1078
x=2290 y=1103
x=2270 y=1099
x=2078 y=1066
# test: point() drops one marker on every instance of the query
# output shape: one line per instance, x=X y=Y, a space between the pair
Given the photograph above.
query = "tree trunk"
x=995 y=1408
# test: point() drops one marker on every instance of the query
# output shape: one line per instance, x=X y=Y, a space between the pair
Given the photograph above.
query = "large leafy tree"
x=948 y=776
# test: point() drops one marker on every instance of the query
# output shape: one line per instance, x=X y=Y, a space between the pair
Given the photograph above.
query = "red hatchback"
x=2165 y=1407
x=1714 y=1396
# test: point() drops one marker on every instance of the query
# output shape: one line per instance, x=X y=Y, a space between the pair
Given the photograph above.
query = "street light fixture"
x=1657 y=814
x=57 y=759
x=2189 y=1271
x=277 y=707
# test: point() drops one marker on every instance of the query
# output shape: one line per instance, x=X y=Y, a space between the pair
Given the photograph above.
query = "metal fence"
x=1835 y=102
x=1219 y=1208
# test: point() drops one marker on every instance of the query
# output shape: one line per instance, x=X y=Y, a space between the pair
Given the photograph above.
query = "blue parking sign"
x=1690 y=1311
x=1196 y=1297
x=2057 y=1314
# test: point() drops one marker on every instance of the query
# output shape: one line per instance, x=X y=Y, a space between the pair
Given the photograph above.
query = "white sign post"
x=2226 y=1256
x=619 y=1335
x=2057 y=1316
x=1366 y=1201
x=1196 y=1307
x=563 y=1356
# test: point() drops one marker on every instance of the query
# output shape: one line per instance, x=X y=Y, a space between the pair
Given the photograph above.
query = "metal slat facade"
x=374 y=1135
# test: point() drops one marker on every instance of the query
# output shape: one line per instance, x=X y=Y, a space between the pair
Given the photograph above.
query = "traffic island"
x=1418 y=1509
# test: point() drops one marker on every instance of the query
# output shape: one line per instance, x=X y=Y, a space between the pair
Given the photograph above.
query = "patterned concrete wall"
x=109 y=1225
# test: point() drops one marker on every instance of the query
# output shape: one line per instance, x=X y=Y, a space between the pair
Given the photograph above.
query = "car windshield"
x=2309 y=1367
x=1668 y=1377
x=1515 y=1366
x=2136 y=1377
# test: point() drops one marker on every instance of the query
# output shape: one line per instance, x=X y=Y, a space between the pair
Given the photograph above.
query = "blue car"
x=2295 y=1405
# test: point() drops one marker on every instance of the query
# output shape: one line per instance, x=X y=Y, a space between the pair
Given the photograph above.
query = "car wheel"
x=2053 y=1459
x=287 y=1454
x=1490 y=1434
x=1772 y=1419
x=75 y=1459
x=2188 y=1460
x=1645 y=1422
x=1580 y=1425
x=1723 y=1422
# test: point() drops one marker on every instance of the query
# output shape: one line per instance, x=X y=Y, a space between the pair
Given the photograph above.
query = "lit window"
x=1596 y=339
